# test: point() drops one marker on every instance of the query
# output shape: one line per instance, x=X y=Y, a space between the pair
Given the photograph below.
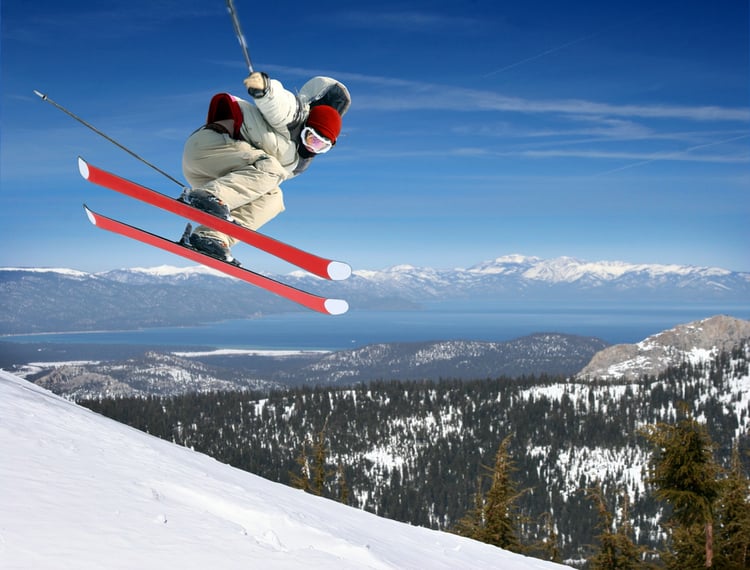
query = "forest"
x=578 y=452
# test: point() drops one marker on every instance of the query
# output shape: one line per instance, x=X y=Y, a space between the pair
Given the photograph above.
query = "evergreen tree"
x=313 y=474
x=471 y=524
x=495 y=516
x=343 y=487
x=301 y=480
x=685 y=475
x=320 y=458
x=501 y=513
x=617 y=549
x=549 y=546
x=733 y=516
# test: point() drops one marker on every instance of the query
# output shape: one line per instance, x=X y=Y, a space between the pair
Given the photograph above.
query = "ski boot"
x=207 y=202
x=207 y=245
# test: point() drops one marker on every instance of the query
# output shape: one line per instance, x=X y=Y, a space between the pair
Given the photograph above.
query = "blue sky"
x=598 y=130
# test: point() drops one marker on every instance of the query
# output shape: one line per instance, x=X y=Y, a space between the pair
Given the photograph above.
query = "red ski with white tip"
x=309 y=300
x=320 y=266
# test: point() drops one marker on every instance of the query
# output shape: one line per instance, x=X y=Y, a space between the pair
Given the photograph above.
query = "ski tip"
x=338 y=270
x=90 y=214
x=336 y=306
x=83 y=168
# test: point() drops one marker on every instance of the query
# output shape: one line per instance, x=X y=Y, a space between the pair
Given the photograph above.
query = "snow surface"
x=81 y=491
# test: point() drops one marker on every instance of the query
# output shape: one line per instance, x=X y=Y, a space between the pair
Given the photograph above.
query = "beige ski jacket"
x=274 y=123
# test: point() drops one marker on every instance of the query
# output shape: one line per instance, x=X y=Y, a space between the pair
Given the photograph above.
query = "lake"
x=468 y=321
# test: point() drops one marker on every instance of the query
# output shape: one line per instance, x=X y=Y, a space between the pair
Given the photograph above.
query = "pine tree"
x=733 y=517
x=685 y=475
x=320 y=458
x=617 y=550
x=501 y=515
x=472 y=523
x=343 y=487
x=549 y=546
x=301 y=480
x=494 y=519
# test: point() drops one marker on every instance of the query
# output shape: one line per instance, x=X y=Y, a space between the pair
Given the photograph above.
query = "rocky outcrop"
x=692 y=342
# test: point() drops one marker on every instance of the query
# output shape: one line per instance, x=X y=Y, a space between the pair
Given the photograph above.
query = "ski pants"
x=244 y=178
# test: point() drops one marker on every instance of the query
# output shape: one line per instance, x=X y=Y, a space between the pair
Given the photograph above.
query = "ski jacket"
x=274 y=123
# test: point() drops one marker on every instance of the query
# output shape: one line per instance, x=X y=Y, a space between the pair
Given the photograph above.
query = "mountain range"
x=542 y=354
x=172 y=374
x=46 y=300
x=533 y=277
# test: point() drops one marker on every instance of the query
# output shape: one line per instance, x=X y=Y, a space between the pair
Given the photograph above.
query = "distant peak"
x=58 y=270
x=516 y=258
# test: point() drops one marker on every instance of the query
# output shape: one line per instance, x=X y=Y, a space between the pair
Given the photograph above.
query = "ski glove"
x=257 y=84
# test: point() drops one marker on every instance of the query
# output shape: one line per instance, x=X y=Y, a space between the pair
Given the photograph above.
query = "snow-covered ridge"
x=162 y=272
x=507 y=278
x=59 y=270
x=692 y=343
x=82 y=491
x=556 y=270
x=568 y=269
x=169 y=270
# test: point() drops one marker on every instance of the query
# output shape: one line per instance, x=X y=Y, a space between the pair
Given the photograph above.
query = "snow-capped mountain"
x=532 y=276
x=57 y=300
x=81 y=491
x=168 y=273
x=569 y=270
x=693 y=343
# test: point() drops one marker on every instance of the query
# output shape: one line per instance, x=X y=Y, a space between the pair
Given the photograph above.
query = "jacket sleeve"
x=280 y=108
x=269 y=123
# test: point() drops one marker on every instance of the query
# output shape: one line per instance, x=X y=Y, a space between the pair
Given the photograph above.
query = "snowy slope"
x=81 y=491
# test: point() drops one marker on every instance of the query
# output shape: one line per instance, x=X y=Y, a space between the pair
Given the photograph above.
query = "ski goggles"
x=314 y=142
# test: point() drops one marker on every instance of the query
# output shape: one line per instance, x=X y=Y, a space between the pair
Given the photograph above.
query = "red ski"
x=314 y=302
x=320 y=266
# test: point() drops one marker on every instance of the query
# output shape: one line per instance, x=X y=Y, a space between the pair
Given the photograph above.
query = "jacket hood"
x=322 y=90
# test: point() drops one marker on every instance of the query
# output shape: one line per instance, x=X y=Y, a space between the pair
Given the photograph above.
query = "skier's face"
x=314 y=142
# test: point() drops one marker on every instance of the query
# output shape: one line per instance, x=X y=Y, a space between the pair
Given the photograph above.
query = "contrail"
x=542 y=54
x=572 y=42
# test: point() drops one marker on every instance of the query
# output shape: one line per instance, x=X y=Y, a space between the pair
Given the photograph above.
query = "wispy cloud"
x=686 y=155
x=434 y=97
x=642 y=158
x=395 y=94
x=410 y=21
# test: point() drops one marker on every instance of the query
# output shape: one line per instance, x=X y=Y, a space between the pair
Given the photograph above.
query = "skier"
x=236 y=162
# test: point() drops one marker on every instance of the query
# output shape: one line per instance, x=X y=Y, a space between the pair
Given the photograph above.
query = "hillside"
x=412 y=451
x=154 y=373
x=83 y=492
x=692 y=343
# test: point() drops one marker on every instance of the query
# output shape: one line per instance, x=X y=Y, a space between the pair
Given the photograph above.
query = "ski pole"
x=240 y=35
x=110 y=139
